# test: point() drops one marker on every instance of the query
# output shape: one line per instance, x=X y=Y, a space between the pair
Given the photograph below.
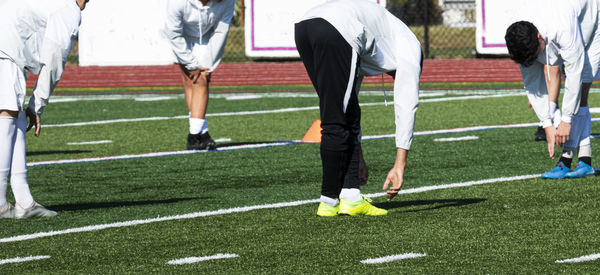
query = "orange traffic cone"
x=314 y=133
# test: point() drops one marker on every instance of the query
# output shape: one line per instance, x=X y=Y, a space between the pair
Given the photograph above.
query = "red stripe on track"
x=275 y=73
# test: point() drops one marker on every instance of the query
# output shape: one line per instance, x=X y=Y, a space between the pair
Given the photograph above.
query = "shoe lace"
x=369 y=200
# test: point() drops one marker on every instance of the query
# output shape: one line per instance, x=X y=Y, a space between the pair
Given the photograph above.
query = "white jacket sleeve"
x=537 y=92
x=406 y=101
x=217 y=41
x=573 y=54
x=174 y=32
x=61 y=28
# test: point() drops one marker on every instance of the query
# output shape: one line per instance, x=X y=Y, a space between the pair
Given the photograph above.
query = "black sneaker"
x=540 y=134
x=200 y=142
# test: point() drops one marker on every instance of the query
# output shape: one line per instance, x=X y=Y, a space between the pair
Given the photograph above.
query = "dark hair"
x=522 y=42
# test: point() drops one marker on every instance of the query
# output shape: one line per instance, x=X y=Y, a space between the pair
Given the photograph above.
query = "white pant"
x=12 y=86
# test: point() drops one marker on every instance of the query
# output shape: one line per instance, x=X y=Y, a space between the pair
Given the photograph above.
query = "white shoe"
x=8 y=212
x=34 y=211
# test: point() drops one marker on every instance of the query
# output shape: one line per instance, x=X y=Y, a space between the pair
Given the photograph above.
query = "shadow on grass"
x=433 y=204
x=100 y=205
x=40 y=153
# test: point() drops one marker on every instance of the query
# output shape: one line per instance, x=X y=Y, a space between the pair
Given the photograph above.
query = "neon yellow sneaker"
x=360 y=208
x=326 y=210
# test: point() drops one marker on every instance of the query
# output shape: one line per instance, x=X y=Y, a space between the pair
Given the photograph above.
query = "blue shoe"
x=581 y=171
x=558 y=172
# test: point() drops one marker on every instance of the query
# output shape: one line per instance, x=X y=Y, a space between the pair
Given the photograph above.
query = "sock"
x=586 y=160
x=585 y=154
x=7 y=133
x=18 y=174
x=328 y=200
x=350 y=194
x=204 y=128
x=196 y=125
x=566 y=161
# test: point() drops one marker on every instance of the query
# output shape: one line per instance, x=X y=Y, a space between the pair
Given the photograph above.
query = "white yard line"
x=191 y=260
x=246 y=209
x=586 y=258
x=159 y=154
x=23 y=259
x=264 y=145
x=90 y=142
x=456 y=138
x=259 y=95
x=392 y=258
x=275 y=111
x=223 y=140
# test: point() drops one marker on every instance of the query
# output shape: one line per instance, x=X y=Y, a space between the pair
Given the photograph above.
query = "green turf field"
x=469 y=206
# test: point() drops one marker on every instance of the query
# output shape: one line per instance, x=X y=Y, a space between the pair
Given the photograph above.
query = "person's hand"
x=563 y=132
x=551 y=139
x=34 y=120
x=396 y=178
x=195 y=74
x=363 y=170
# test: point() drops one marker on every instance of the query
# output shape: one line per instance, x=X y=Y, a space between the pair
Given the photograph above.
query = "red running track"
x=275 y=73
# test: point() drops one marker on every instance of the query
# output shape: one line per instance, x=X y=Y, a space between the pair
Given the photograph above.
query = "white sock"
x=568 y=152
x=196 y=125
x=8 y=127
x=328 y=200
x=585 y=151
x=18 y=175
x=350 y=194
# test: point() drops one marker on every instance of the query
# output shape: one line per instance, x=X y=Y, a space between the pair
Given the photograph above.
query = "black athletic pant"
x=332 y=66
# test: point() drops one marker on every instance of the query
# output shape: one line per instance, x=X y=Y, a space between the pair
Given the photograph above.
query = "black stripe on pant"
x=332 y=66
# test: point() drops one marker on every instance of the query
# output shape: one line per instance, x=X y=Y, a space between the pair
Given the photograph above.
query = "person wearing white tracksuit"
x=36 y=37
x=340 y=42
x=554 y=33
x=197 y=31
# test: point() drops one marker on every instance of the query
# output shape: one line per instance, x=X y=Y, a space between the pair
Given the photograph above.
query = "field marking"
x=150 y=96
x=90 y=142
x=191 y=260
x=155 y=98
x=456 y=138
x=247 y=209
x=585 y=258
x=242 y=113
x=265 y=145
x=24 y=259
x=392 y=258
x=160 y=154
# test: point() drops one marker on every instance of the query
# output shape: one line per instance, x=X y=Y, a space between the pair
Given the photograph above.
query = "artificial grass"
x=520 y=226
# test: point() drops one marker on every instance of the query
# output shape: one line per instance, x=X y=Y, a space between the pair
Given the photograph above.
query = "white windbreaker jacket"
x=189 y=22
x=37 y=35
x=567 y=27
x=384 y=44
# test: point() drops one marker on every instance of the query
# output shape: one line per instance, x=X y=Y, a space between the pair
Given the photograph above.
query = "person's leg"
x=18 y=174
x=8 y=126
x=25 y=206
x=332 y=66
x=581 y=137
x=196 y=96
x=329 y=61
